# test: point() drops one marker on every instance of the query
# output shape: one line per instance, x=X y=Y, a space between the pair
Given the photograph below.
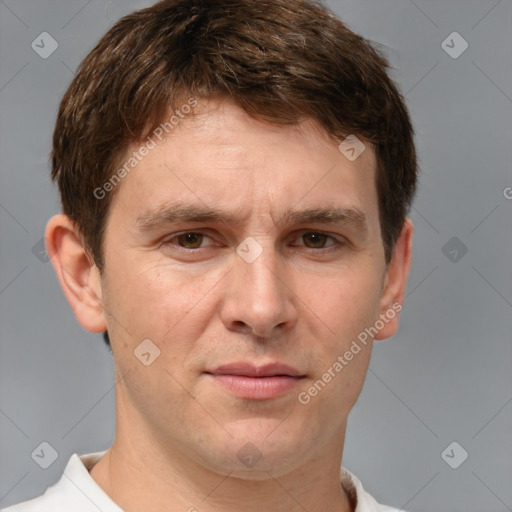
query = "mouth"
x=251 y=382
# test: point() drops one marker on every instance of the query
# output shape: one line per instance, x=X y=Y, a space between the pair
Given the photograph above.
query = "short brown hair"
x=281 y=61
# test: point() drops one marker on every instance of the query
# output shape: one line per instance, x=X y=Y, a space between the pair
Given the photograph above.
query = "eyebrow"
x=326 y=215
x=180 y=212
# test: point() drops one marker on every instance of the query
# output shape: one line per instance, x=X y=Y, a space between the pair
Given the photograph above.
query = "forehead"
x=220 y=157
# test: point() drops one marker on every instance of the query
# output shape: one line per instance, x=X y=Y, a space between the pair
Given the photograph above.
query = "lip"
x=248 y=381
x=250 y=370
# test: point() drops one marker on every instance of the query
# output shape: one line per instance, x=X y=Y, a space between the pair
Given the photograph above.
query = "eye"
x=189 y=240
x=316 y=240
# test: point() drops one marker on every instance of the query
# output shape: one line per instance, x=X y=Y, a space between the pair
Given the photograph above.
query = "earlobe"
x=79 y=277
x=393 y=293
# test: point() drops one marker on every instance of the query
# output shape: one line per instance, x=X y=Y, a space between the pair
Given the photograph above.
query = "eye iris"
x=190 y=239
x=318 y=239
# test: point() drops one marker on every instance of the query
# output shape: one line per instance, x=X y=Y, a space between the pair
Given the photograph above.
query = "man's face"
x=297 y=293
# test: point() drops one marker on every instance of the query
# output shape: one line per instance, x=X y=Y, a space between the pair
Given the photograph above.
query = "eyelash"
x=336 y=245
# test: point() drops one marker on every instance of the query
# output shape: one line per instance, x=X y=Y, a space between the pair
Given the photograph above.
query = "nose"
x=259 y=298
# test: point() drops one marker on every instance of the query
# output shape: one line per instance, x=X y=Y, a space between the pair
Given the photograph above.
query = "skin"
x=178 y=432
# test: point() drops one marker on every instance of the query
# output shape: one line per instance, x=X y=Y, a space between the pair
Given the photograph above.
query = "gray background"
x=446 y=376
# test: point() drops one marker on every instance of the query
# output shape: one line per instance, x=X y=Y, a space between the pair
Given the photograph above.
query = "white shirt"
x=76 y=491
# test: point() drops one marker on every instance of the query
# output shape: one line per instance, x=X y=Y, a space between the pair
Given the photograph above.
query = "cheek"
x=343 y=302
x=343 y=308
x=159 y=302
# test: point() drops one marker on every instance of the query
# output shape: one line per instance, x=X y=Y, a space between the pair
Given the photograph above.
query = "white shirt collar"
x=76 y=489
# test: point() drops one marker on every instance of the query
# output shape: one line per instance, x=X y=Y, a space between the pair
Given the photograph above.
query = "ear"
x=79 y=277
x=395 y=281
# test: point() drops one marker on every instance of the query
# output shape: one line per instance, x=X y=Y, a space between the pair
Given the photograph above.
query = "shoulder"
x=361 y=499
x=76 y=491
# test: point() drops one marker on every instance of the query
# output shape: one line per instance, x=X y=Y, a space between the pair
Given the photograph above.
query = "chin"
x=258 y=454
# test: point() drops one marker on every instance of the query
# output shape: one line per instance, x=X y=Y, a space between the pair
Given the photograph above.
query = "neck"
x=136 y=486
x=142 y=473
